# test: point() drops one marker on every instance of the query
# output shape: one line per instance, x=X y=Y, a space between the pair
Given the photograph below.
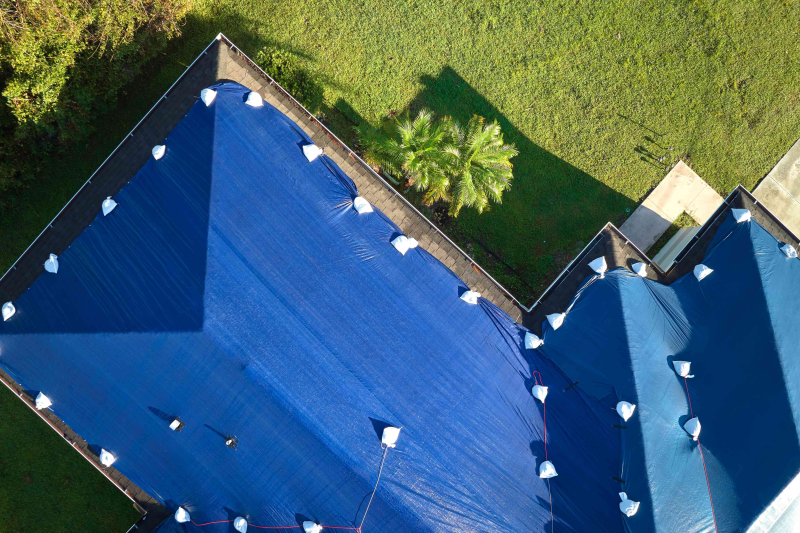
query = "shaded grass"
x=600 y=96
x=47 y=486
x=683 y=221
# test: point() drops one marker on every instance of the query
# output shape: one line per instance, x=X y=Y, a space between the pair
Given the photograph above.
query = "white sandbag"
x=628 y=507
x=106 y=457
x=240 y=524
x=412 y=243
x=471 y=297
x=311 y=151
x=532 y=341
x=42 y=401
x=599 y=265
x=8 y=310
x=789 y=251
x=741 y=215
x=175 y=424
x=556 y=320
x=547 y=470
x=362 y=205
x=159 y=150
x=402 y=244
x=701 y=271
x=207 y=96
x=182 y=515
x=390 y=436
x=311 y=527
x=692 y=427
x=625 y=410
x=254 y=100
x=682 y=368
x=539 y=392
x=640 y=269
x=108 y=205
x=51 y=265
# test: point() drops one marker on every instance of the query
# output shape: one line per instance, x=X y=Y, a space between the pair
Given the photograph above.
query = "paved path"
x=779 y=191
x=680 y=191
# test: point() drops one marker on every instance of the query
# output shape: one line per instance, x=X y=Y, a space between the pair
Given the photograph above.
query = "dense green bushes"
x=284 y=68
x=62 y=63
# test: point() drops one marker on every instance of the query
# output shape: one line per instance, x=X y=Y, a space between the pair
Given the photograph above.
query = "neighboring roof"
x=737 y=327
x=235 y=286
x=612 y=244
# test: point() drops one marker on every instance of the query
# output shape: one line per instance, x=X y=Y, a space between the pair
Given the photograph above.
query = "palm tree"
x=412 y=148
x=478 y=162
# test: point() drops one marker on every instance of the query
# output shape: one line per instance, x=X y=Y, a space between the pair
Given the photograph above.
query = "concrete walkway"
x=680 y=191
x=779 y=191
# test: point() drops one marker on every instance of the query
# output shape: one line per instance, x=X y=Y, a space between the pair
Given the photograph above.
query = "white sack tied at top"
x=625 y=410
x=108 y=205
x=532 y=341
x=8 y=310
x=106 y=457
x=361 y=205
x=240 y=524
x=42 y=401
x=741 y=215
x=389 y=436
x=701 y=271
x=471 y=297
x=789 y=251
x=556 y=320
x=182 y=515
x=51 y=265
x=599 y=265
x=158 y=151
x=539 y=392
x=692 y=427
x=208 y=96
x=254 y=100
x=627 y=506
x=311 y=527
x=311 y=151
x=404 y=244
x=682 y=368
x=640 y=269
x=547 y=470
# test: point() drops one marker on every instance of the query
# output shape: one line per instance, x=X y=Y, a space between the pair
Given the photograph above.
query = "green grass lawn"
x=45 y=485
x=600 y=97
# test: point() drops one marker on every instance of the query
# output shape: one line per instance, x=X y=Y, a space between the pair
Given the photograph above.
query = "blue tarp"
x=739 y=329
x=236 y=287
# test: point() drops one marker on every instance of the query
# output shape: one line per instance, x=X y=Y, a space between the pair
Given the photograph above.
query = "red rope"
x=705 y=471
x=209 y=523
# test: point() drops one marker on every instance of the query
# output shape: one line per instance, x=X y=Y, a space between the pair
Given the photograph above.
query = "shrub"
x=284 y=68
x=62 y=64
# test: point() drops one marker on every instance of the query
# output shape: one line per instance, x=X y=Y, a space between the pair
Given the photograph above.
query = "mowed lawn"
x=600 y=97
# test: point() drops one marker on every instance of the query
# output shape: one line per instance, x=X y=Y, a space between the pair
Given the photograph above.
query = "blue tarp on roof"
x=236 y=287
x=739 y=329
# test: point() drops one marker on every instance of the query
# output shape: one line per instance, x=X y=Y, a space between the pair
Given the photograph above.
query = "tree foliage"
x=411 y=148
x=62 y=63
x=465 y=166
x=479 y=161
x=289 y=72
